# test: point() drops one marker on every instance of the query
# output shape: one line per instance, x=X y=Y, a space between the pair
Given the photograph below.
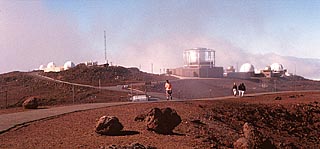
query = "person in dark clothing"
x=242 y=89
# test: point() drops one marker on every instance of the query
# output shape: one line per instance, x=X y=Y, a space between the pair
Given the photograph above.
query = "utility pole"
x=152 y=68
x=73 y=94
x=237 y=67
x=105 y=48
x=99 y=85
x=214 y=58
x=275 y=85
x=131 y=90
x=294 y=77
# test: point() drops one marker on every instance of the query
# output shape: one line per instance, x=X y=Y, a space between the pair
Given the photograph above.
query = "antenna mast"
x=105 y=48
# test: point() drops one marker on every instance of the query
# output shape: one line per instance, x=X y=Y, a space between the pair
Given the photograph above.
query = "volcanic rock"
x=241 y=143
x=30 y=103
x=140 y=117
x=162 y=121
x=278 y=98
x=108 y=125
x=252 y=139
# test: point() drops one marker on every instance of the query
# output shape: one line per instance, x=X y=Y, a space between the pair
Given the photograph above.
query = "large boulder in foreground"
x=252 y=139
x=108 y=125
x=30 y=103
x=162 y=121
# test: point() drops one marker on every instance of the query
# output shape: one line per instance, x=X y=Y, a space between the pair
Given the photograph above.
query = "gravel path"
x=12 y=120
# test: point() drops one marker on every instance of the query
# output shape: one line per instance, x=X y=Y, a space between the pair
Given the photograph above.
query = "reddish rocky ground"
x=290 y=120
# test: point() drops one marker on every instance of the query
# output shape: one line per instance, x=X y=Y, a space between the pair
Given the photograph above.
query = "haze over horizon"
x=142 y=32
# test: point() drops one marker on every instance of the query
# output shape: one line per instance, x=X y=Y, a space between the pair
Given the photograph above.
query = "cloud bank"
x=30 y=36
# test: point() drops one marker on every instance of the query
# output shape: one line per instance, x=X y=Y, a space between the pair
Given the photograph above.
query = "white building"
x=51 y=67
x=67 y=65
x=247 y=68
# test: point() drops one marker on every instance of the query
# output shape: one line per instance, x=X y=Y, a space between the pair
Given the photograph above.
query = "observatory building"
x=246 y=71
x=51 y=67
x=199 y=62
x=274 y=70
x=67 y=65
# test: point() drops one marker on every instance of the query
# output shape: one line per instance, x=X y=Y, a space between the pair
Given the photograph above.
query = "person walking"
x=242 y=89
x=168 y=87
x=234 y=89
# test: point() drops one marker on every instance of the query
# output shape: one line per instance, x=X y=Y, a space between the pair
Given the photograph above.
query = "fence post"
x=6 y=99
x=72 y=94
x=99 y=85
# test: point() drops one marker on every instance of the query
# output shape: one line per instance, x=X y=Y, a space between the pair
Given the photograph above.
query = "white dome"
x=41 y=67
x=230 y=68
x=267 y=68
x=276 y=67
x=51 y=65
x=68 y=65
x=247 y=67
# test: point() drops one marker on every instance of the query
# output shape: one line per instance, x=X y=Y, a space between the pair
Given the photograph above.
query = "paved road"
x=9 y=121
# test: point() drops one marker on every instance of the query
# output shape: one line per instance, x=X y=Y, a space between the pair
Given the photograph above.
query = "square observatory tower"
x=199 y=62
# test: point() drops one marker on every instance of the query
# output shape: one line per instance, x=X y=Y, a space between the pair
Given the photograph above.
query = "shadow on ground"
x=124 y=133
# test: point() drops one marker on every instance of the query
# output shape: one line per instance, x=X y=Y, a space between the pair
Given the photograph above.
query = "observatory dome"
x=41 y=67
x=51 y=65
x=276 y=67
x=68 y=65
x=230 y=68
x=247 y=67
x=267 y=68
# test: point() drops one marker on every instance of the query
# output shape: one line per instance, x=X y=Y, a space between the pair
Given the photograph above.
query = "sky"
x=145 y=33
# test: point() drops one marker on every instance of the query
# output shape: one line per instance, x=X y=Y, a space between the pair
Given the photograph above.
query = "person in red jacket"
x=168 y=87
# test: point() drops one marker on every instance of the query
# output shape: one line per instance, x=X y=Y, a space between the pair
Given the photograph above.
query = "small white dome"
x=51 y=65
x=41 y=67
x=267 y=68
x=68 y=65
x=276 y=67
x=230 y=68
x=247 y=67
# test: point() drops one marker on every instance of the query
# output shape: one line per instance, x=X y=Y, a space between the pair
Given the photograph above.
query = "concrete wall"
x=203 y=72
x=207 y=72
x=240 y=75
x=53 y=69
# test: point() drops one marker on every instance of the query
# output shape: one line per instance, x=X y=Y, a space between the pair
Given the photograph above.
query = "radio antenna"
x=105 y=48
